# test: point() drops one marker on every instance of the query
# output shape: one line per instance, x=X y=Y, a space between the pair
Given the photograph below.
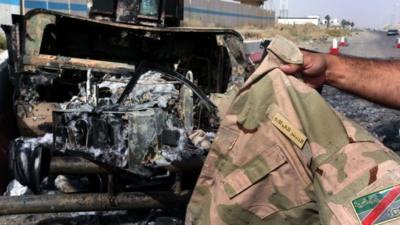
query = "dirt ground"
x=295 y=33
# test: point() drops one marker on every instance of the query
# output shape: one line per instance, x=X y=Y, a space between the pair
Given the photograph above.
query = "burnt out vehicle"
x=115 y=111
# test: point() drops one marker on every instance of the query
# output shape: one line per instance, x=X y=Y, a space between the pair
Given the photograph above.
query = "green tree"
x=328 y=20
x=344 y=23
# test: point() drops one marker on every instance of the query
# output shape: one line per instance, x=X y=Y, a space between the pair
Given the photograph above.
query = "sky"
x=364 y=13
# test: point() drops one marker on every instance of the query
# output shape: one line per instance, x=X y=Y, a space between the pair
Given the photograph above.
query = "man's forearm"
x=375 y=80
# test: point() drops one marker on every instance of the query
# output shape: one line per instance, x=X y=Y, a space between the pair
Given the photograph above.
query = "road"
x=368 y=44
x=372 y=45
x=252 y=46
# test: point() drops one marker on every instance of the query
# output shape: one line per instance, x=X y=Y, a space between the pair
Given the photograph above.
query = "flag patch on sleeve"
x=378 y=207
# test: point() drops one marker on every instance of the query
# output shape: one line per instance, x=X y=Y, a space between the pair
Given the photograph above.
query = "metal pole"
x=22 y=7
x=73 y=166
x=90 y=202
x=70 y=165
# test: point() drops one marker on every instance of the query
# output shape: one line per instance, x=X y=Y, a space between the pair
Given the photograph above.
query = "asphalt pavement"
x=252 y=46
x=367 y=44
x=372 y=44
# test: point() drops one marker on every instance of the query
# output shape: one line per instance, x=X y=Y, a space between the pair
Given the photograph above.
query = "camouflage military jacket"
x=283 y=156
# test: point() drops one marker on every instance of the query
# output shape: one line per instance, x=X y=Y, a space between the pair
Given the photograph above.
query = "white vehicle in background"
x=392 y=32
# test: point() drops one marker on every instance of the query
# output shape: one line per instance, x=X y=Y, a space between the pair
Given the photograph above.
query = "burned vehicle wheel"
x=119 y=115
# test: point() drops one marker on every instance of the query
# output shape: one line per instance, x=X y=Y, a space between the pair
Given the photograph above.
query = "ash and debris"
x=150 y=90
x=201 y=139
x=382 y=122
x=28 y=86
x=31 y=143
x=153 y=98
x=14 y=188
x=187 y=146
x=110 y=152
x=67 y=184
x=151 y=87
x=170 y=153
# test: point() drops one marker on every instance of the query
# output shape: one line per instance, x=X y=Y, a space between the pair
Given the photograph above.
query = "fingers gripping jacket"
x=284 y=156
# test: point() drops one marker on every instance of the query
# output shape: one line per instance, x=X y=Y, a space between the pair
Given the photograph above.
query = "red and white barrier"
x=397 y=43
x=253 y=51
x=343 y=42
x=334 y=49
x=255 y=57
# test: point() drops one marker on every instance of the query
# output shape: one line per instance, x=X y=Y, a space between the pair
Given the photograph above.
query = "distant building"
x=299 y=20
x=315 y=17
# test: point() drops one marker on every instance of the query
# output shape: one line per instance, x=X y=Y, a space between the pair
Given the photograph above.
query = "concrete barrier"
x=227 y=14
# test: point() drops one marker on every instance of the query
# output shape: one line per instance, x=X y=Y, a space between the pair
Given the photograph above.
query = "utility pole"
x=397 y=8
x=284 y=8
x=22 y=7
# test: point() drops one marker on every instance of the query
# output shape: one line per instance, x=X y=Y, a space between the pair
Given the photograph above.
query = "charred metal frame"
x=70 y=165
x=32 y=63
x=74 y=166
x=22 y=30
x=27 y=35
x=28 y=59
x=91 y=202
x=166 y=12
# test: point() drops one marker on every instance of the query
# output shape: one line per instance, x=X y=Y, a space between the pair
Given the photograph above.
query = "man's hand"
x=313 y=70
x=375 y=80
